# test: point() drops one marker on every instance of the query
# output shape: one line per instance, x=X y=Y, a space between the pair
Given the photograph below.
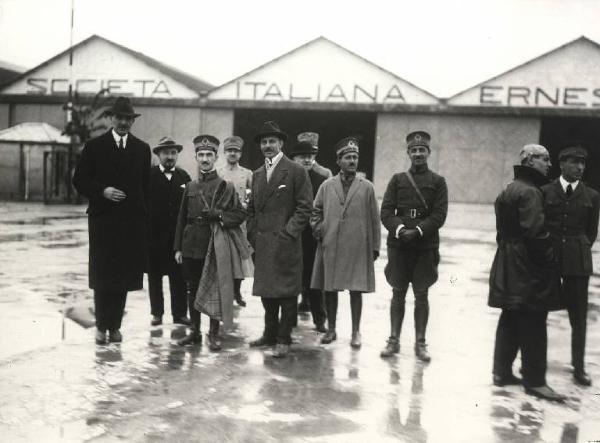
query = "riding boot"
x=396 y=318
x=331 y=305
x=194 y=336
x=421 y=317
x=214 y=343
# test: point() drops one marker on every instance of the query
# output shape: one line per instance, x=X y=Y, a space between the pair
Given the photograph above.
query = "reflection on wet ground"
x=58 y=386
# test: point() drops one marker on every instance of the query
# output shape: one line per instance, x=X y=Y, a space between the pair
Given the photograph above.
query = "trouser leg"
x=397 y=307
x=155 y=290
x=192 y=287
x=576 y=290
x=317 y=305
x=288 y=317
x=271 y=307
x=331 y=303
x=101 y=309
x=507 y=343
x=533 y=342
x=355 y=309
x=117 y=309
x=214 y=327
x=177 y=288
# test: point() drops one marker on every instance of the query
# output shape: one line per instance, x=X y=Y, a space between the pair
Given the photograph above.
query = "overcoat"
x=117 y=230
x=349 y=231
x=573 y=225
x=165 y=199
x=278 y=211
x=524 y=273
x=309 y=243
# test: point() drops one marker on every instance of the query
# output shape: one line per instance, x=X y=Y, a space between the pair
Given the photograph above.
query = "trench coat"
x=117 y=230
x=573 y=225
x=348 y=231
x=524 y=273
x=165 y=199
x=278 y=211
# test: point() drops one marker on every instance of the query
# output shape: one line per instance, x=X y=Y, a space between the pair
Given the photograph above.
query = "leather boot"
x=194 y=337
x=331 y=304
x=356 y=312
x=214 y=343
x=421 y=317
x=396 y=317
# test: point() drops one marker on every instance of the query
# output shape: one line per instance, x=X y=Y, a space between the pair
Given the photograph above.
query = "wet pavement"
x=56 y=385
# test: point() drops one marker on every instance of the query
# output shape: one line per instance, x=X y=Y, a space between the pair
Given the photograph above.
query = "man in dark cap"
x=345 y=220
x=571 y=210
x=210 y=210
x=167 y=182
x=113 y=173
x=313 y=139
x=413 y=210
x=304 y=154
x=523 y=280
x=278 y=210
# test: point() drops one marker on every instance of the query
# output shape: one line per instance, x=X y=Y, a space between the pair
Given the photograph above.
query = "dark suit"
x=117 y=230
x=573 y=225
x=165 y=199
x=278 y=212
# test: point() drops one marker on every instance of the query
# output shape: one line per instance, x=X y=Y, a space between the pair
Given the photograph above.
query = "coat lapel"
x=279 y=174
x=352 y=191
x=339 y=189
x=559 y=190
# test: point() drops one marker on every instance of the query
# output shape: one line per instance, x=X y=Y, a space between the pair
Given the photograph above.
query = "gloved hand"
x=408 y=235
x=375 y=255
x=214 y=215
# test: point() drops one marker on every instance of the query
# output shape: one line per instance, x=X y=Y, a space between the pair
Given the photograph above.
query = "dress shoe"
x=421 y=352
x=329 y=337
x=262 y=341
x=355 y=342
x=582 y=378
x=240 y=301
x=281 y=350
x=320 y=328
x=303 y=306
x=193 y=338
x=546 y=392
x=101 y=337
x=182 y=321
x=505 y=380
x=156 y=320
x=214 y=344
x=115 y=336
x=392 y=347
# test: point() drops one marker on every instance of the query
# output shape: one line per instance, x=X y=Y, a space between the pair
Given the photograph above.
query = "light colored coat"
x=349 y=232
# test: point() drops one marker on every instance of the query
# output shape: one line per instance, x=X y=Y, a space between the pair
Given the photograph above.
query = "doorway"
x=331 y=126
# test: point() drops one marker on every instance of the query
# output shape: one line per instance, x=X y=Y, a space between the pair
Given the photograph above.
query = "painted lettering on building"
x=346 y=93
x=540 y=97
x=136 y=88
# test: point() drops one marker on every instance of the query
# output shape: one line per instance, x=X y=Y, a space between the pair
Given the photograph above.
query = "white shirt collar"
x=565 y=183
x=273 y=162
x=163 y=169
x=117 y=137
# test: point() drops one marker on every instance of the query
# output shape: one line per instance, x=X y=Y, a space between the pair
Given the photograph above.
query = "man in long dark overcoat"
x=524 y=279
x=278 y=210
x=167 y=182
x=571 y=210
x=113 y=173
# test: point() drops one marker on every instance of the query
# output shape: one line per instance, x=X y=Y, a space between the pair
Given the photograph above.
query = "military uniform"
x=572 y=219
x=415 y=261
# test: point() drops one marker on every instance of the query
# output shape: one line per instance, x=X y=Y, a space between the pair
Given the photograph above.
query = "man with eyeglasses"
x=524 y=279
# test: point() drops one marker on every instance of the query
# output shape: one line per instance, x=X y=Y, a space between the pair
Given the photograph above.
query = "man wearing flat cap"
x=209 y=244
x=113 y=172
x=304 y=154
x=242 y=180
x=278 y=210
x=524 y=279
x=571 y=210
x=345 y=221
x=167 y=182
x=413 y=210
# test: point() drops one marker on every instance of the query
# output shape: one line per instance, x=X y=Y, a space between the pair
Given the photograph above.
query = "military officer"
x=571 y=210
x=413 y=210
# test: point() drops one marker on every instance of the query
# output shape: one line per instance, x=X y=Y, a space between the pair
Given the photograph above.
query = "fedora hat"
x=122 y=106
x=166 y=143
x=270 y=128
x=303 y=147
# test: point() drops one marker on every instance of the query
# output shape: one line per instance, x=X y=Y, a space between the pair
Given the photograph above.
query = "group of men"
x=298 y=229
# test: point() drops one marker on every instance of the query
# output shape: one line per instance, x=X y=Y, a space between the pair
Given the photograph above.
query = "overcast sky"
x=441 y=46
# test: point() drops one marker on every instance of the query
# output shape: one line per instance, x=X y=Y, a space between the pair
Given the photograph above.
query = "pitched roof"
x=33 y=132
x=188 y=80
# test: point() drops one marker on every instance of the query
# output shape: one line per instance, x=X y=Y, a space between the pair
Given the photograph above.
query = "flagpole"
x=70 y=103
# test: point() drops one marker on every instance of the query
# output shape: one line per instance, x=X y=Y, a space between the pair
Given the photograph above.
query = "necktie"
x=569 y=190
x=121 y=143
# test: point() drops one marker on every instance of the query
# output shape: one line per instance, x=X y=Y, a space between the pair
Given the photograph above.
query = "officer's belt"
x=412 y=212
x=201 y=221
